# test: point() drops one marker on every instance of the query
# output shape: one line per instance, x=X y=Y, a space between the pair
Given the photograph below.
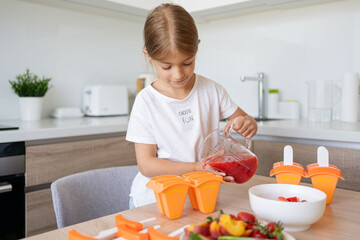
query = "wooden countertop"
x=340 y=221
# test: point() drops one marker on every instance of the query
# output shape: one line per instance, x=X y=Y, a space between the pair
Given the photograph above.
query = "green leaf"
x=30 y=85
x=195 y=236
x=209 y=219
x=239 y=238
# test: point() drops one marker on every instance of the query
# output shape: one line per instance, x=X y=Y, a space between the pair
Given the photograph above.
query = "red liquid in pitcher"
x=241 y=167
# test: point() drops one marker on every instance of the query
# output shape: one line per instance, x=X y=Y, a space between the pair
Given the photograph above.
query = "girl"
x=172 y=116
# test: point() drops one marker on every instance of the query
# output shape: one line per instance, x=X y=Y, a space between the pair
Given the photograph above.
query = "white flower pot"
x=30 y=108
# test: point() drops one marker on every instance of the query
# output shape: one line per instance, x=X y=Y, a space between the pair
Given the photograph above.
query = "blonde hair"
x=170 y=28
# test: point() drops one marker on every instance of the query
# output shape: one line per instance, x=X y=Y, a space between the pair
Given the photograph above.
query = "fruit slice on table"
x=202 y=228
x=232 y=227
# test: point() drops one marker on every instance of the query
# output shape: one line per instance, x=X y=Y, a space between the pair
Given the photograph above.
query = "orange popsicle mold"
x=170 y=193
x=75 y=235
x=152 y=184
x=156 y=235
x=192 y=194
x=204 y=190
x=128 y=233
x=136 y=226
x=324 y=178
x=288 y=174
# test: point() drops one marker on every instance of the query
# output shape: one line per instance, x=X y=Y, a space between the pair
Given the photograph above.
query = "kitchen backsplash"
x=290 y=46
x=75 y=49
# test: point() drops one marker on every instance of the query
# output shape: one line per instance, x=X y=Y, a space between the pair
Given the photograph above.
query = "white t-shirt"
x=177 y=127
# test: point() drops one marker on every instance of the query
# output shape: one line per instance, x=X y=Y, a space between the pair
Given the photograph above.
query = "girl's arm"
x=151 y=166
x=243 y=124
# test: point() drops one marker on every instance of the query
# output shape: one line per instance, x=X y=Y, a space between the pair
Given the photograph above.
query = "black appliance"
x=5 y=127
x=12 y=190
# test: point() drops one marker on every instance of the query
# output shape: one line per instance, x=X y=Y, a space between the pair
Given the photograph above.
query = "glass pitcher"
x=320 y=100
x=227 y=155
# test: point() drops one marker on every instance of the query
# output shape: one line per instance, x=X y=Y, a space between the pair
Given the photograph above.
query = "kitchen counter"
x=59 y=128
x=347 y=133
x=340 y=220
x=331 y=131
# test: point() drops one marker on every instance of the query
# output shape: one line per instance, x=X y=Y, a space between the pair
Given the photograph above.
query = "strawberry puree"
x=241 y=167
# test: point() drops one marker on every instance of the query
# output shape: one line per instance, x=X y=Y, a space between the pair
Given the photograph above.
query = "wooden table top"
x=341 y=219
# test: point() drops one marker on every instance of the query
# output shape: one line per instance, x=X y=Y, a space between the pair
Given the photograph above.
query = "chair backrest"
x=92 y=194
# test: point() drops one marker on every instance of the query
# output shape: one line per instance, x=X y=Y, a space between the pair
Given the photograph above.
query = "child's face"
x=176 y=70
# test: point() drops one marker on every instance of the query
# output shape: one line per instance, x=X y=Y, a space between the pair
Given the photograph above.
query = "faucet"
x=260 y=80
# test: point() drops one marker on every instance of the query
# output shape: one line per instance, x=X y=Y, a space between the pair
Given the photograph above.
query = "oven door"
x=12 y=207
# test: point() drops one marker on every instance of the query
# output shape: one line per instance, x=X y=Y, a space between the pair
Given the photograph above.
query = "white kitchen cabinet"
x=201 y=10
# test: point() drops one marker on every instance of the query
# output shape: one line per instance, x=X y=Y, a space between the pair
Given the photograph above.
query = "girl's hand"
x=208 y=168
x=244 y=125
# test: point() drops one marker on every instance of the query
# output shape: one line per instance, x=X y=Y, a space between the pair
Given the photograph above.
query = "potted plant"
x=31 y=90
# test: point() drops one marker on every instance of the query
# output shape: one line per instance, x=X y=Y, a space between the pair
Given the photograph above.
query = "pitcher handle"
x=248 y=143
x=228 y=137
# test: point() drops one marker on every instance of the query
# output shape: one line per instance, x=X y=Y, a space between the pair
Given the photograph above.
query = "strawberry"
x=274 y=230
x=246 y=217
x=257 y=234
x=293 y=199
x=282 y=199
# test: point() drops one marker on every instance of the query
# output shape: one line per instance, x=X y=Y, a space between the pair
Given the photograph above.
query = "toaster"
x=105 y=100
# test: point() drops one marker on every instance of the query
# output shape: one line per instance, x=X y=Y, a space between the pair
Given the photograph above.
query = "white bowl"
x=295 y=216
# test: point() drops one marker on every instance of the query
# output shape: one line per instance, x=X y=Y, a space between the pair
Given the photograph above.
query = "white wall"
x=75 y=49
x=290 y=46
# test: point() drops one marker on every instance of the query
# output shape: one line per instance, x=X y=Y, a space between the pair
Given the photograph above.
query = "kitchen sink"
x=266 y=119
x=260 y=120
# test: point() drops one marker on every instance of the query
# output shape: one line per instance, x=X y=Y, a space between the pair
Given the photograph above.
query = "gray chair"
x=92 y=194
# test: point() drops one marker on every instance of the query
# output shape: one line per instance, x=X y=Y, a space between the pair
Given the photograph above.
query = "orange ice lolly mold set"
x=288 y=172
x=171 y=191
x=323 y=175
x=204 y=190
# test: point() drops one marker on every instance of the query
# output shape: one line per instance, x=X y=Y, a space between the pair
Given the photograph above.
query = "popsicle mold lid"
x=154 y=234
x=322 y=166
x=128 y=233
x=75 y=235
x=163 y=178
x=198 y=181
x=314 y=169
x=295 y=168
x=119 y=219
x=288 y=165
x=161 y=183
x=198 y=178
x=195 y=174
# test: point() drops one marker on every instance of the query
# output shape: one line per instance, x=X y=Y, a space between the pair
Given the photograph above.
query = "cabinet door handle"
x=5 y=188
